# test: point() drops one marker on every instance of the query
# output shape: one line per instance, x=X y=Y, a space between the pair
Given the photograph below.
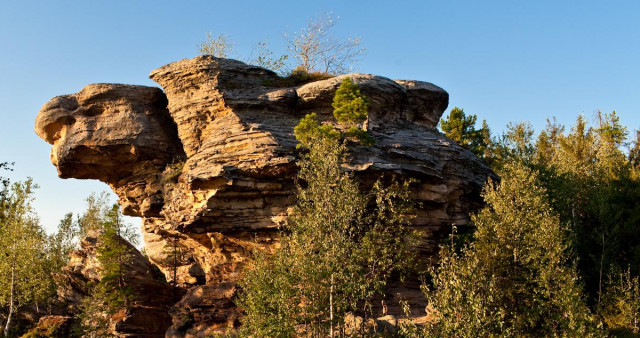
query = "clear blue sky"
x=501 y=60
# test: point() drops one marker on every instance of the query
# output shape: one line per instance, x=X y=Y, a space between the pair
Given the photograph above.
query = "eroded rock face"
x=151 y=296
x=209 y=164
x=119 y=134
x=205 y=311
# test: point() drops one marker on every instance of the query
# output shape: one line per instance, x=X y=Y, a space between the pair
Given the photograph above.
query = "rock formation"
x=209 y=162
x=151 y=296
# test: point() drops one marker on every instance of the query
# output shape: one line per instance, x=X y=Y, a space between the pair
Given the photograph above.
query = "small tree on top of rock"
x=317 y=50
x=218 y=46
x=262 y=56
x=350 y=109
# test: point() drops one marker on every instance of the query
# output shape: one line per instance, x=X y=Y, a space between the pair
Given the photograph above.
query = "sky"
x=504 y=61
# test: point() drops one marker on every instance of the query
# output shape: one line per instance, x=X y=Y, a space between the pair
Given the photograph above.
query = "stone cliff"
x=209 y=161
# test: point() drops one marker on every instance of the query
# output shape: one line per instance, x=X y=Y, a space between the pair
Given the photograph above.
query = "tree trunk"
x=601 y=268
x=6 y=327
x=331 y=308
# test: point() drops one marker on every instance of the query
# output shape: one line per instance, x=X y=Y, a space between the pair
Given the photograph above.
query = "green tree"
x=4 y=182
x=515 y=278
x=336 y=255
x=62 y=243
x=350 y=109
x=634 y=154
x=461 y=128
x=95 y=214
x=340 y=249
x=98 y=212
x=110 y=294
x=620 y=306
x=24 y=275
x=592 y=186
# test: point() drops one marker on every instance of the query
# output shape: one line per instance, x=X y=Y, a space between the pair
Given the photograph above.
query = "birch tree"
x=24 y=276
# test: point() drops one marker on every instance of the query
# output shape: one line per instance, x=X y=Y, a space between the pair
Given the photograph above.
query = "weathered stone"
x=52 y=326
x=205 y=311
x=119 y=134
x=148 y=315
x=232 y=187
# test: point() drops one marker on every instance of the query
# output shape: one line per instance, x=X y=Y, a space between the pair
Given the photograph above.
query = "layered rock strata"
x=150 y=299
x=209 y=161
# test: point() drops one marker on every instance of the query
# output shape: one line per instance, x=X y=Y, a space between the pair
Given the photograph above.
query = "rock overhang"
x=210 y=160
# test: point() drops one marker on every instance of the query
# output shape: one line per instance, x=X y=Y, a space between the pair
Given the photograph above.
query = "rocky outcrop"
x=209 y=163
x=205 y=311
x=117 y=134
x=148 y=315
x=52 y=326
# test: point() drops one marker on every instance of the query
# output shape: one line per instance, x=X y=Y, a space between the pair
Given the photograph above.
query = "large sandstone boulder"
x=148 y=315
x=209 y=163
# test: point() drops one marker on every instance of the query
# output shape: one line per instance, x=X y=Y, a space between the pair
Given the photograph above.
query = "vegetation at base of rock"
x=25 y=275
x=110 y=295
x=593 y=187
x=341 y=248
x=515 y=278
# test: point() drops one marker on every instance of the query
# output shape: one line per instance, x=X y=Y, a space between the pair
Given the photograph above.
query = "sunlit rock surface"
x=209 y=161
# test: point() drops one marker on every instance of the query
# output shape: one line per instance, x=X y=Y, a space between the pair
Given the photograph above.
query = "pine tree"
x=110 y=294
x=350 y=109
x=460 y=127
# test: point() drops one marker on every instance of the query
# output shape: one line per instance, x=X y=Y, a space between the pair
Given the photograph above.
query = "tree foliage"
x=340 y=249
x=620 y=306
x=341 y=245
x=461 y=128
x=350 y=109
x=62 y=243
x=219 y=46
x=110 y=294
x=515 y=278
x=262 y=56
x=25 y=276
x=591 y=185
